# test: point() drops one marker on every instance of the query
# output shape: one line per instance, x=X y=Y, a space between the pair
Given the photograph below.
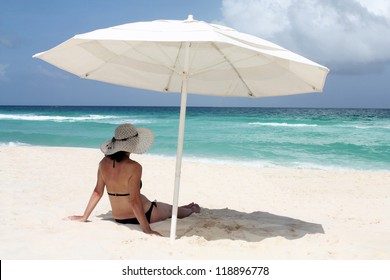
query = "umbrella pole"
x=180 y=141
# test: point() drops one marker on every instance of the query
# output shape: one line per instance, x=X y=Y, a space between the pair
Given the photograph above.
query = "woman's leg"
x=163 y=211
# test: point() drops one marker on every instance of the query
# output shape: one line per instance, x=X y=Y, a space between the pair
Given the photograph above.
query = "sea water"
x=357 y=139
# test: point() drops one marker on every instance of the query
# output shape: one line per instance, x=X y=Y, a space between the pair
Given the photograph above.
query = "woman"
x=122 y=177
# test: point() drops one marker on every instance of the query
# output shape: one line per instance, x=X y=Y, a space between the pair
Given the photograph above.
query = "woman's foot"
x=195 y=208
x=186 y=210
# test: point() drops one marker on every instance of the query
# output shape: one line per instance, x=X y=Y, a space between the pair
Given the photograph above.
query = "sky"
x=350 y=37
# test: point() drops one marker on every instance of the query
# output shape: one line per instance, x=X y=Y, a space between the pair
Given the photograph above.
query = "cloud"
x=52 y=74
x=348 y=36
x=6 y=41
x=3 y=72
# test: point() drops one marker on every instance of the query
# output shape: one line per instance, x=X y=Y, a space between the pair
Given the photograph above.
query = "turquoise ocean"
x=354 y=139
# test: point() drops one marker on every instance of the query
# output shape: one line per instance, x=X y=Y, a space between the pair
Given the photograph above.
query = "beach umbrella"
x=188 y=56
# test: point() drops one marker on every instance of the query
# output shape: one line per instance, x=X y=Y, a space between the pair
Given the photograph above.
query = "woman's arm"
x=136 y=201
x=93 y=201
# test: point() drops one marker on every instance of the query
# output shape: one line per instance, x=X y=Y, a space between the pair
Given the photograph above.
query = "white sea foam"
x=119 y=120
x=12 y=144
x=282 y=124
x=365 y=126
x=109 y=119
x=271 y=164
x=28 y=117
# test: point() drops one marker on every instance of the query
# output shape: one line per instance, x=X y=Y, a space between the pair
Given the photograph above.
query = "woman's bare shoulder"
x=134 y=165
x=104 y=161
x=127 y=164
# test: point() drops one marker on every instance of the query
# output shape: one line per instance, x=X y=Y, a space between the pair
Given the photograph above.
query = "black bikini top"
x=124 y=194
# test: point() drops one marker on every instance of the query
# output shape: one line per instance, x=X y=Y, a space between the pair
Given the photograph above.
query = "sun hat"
x=130 y=139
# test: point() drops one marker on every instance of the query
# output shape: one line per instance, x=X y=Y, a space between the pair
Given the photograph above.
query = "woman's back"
x=121 y=180
x=117 y=178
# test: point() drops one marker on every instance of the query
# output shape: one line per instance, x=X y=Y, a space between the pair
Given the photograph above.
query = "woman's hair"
x=118 y=156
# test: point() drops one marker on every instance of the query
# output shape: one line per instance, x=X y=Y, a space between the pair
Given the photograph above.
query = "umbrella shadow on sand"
x=218 y=224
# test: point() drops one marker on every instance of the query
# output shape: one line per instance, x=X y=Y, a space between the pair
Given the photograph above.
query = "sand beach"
x=248 y=212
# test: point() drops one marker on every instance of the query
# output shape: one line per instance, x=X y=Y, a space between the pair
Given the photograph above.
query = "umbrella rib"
x=313 y=87
x=156 y=61
x=250 y=93
x=174 y=68
x=210 y=67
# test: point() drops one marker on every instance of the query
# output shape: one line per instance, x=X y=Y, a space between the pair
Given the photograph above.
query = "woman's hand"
x=152 y=232
x=77 y=218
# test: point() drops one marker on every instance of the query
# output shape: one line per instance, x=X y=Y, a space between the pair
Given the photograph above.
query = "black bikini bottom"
x=134 y=221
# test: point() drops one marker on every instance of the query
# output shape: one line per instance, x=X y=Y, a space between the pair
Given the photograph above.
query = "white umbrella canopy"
x=187 y=56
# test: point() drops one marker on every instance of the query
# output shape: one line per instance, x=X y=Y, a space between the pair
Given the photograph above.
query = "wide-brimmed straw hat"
x=130 y=139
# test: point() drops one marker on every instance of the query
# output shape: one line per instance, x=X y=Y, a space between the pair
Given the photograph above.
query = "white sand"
x=247 y=212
